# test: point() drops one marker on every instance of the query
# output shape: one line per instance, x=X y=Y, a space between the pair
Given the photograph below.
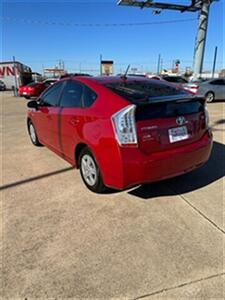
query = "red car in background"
x=122 y=131
x=33 y=89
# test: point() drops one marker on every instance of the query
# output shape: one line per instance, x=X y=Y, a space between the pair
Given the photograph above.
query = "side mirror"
x=32 y=104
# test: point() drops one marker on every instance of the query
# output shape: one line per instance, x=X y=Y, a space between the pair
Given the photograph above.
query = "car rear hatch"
x=170 y=123
x=166 y=117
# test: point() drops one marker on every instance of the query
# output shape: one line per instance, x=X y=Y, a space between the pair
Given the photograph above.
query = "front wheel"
x=90 y=172
x=210 y=97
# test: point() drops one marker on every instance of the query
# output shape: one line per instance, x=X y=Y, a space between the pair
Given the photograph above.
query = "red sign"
x=7 y=71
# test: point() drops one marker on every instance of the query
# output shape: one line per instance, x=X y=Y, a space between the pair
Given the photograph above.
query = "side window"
x=51 y=97
x=217 y=82
x=181 y=80
x=72 y=94
x=89 y=97
x=221 y=82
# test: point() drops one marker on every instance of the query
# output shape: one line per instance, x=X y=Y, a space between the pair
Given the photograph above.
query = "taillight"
x=125 y=127
x=192 y=89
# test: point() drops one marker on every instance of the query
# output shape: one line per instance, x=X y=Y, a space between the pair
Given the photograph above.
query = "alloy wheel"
x=209 y=97
x=89 y=170
x=32 y=133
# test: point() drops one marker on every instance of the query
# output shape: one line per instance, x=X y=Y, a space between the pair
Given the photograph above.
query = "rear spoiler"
x=174 y=98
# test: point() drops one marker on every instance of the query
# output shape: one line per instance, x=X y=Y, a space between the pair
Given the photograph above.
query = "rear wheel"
x=210 y=97
x=90 y=172
x=33 y=134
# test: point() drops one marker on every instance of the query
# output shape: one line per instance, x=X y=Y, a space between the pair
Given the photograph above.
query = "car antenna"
x=124 y=76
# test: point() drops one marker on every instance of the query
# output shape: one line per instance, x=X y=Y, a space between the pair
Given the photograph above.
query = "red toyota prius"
x=121 y=132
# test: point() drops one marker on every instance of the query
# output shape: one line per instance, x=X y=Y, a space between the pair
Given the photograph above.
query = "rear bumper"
x=140 y=168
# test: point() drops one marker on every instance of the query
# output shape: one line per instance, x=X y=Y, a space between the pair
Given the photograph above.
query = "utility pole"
x=60 y=64
x=158 y=65
x=173 y=65
x=16 y=83
x=161 y=66
x=214 y=62
x=101 y=64
x=201 y=39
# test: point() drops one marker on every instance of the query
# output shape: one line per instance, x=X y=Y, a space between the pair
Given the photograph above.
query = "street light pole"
x=196 y=5
x=201 y=39
x=214 y=62
x=15 y=78
x=158 y=65
x=101 y=64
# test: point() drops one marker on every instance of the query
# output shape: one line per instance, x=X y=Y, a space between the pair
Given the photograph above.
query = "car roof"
x=114 y=79
x=104 y=80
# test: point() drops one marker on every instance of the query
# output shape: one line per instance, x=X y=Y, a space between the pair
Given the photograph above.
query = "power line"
x=72 y=24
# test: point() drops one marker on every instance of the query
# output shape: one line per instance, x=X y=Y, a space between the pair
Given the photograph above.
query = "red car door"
x=47 y=117
x=71 y=117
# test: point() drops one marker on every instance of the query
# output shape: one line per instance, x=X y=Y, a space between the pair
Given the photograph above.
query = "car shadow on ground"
x=212 y=171
x=216 y=125
x=217 y=101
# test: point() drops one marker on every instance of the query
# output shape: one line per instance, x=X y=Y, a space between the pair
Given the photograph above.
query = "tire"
x=90 y=172
x=210 y=97
x=33 y=134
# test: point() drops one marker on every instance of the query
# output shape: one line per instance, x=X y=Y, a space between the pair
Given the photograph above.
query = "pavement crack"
x=197 y=210
x=179 y=286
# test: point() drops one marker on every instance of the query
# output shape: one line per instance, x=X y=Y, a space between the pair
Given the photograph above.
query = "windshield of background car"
x=175 y=79
x=50 y=82
x=33 y=84
x=138 y=91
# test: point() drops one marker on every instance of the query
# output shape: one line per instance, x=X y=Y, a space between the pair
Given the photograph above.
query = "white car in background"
x=51 y=81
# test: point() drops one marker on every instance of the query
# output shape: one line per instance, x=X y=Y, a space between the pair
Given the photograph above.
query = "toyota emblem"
x=180 y=120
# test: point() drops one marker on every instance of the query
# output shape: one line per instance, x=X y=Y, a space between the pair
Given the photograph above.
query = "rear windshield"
x=169 y=109
x=138 y=91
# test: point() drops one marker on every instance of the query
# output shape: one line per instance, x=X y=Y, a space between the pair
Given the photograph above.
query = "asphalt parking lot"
x=163 y=240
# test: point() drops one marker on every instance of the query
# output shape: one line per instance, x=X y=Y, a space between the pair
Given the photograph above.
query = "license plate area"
x=178 y=134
